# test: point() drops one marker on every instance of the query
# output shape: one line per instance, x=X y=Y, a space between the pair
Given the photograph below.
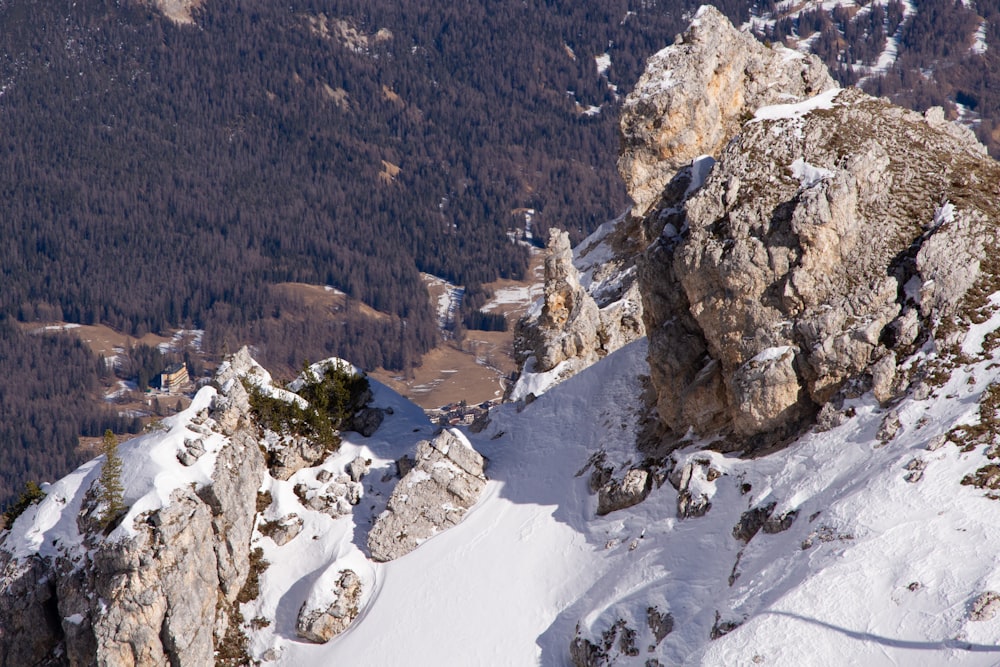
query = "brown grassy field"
x=475 y=368
x=102 y=340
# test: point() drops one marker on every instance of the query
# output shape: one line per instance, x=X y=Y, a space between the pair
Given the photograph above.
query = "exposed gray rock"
x=883 y=376
x=446 y=480
x=889 y=428
x=404 y=465
x=289 y=454
x=937 y=442
x=660 y=624
x=283 y=530
x=779 y=523
x=569 y=321
x=192 y=450
x=616 y=643
x=29 y=620
x=800 y=284
x=578 y=324
x=830 y=416
x=358 y=468
x=232 y=500
x=321 y=625
x=752 y=521
x=691 y=481
x=335 y=498
x=723 y=627
x=157 y=597
x=617 y=494
x=695 y=95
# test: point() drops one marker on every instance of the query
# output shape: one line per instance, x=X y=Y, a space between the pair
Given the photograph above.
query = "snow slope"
x=874 y=570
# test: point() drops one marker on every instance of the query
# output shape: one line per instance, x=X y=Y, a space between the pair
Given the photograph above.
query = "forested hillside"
x=155 y=175
x=919 y=54
x=46 y=399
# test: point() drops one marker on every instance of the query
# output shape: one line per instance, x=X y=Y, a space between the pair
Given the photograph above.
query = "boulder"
x=366 y=421
x=446 y=480
x=631 y=489
x=321 y=625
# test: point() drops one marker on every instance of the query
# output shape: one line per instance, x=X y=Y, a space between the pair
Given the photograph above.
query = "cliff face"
x=158 y=591
x=691 y=100
x=809 y=257
x=695 y=95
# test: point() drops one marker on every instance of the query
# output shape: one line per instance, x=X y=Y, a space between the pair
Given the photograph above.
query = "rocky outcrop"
x=632 y=489
x=446 y=480
x=829 y=238
x=569 y=320
x=695 y=95
x=283 y=530
x=984 y=607
x=323 y=624
x=591 y=306
x=159 y=593
x=334 y=496
x=289 y=453
x=178 y=11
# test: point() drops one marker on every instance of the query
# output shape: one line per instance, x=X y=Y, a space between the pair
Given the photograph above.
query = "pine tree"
x=111 y=493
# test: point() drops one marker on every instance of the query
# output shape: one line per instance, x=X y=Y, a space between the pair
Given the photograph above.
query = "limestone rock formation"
x=446 y=480
x=334 y=496
x=618 y=494
x=283 y=530
x=829 y=235
x=591 y=307
x=569 y=320
x=289 y=453
x=322 y=625
x=695 y=95
x=159 y=594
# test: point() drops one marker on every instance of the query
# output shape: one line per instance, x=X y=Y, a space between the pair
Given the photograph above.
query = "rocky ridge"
x=206 y=491
x=161 y=588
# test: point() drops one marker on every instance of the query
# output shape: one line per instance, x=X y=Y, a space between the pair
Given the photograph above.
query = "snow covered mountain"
x=797 y=465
